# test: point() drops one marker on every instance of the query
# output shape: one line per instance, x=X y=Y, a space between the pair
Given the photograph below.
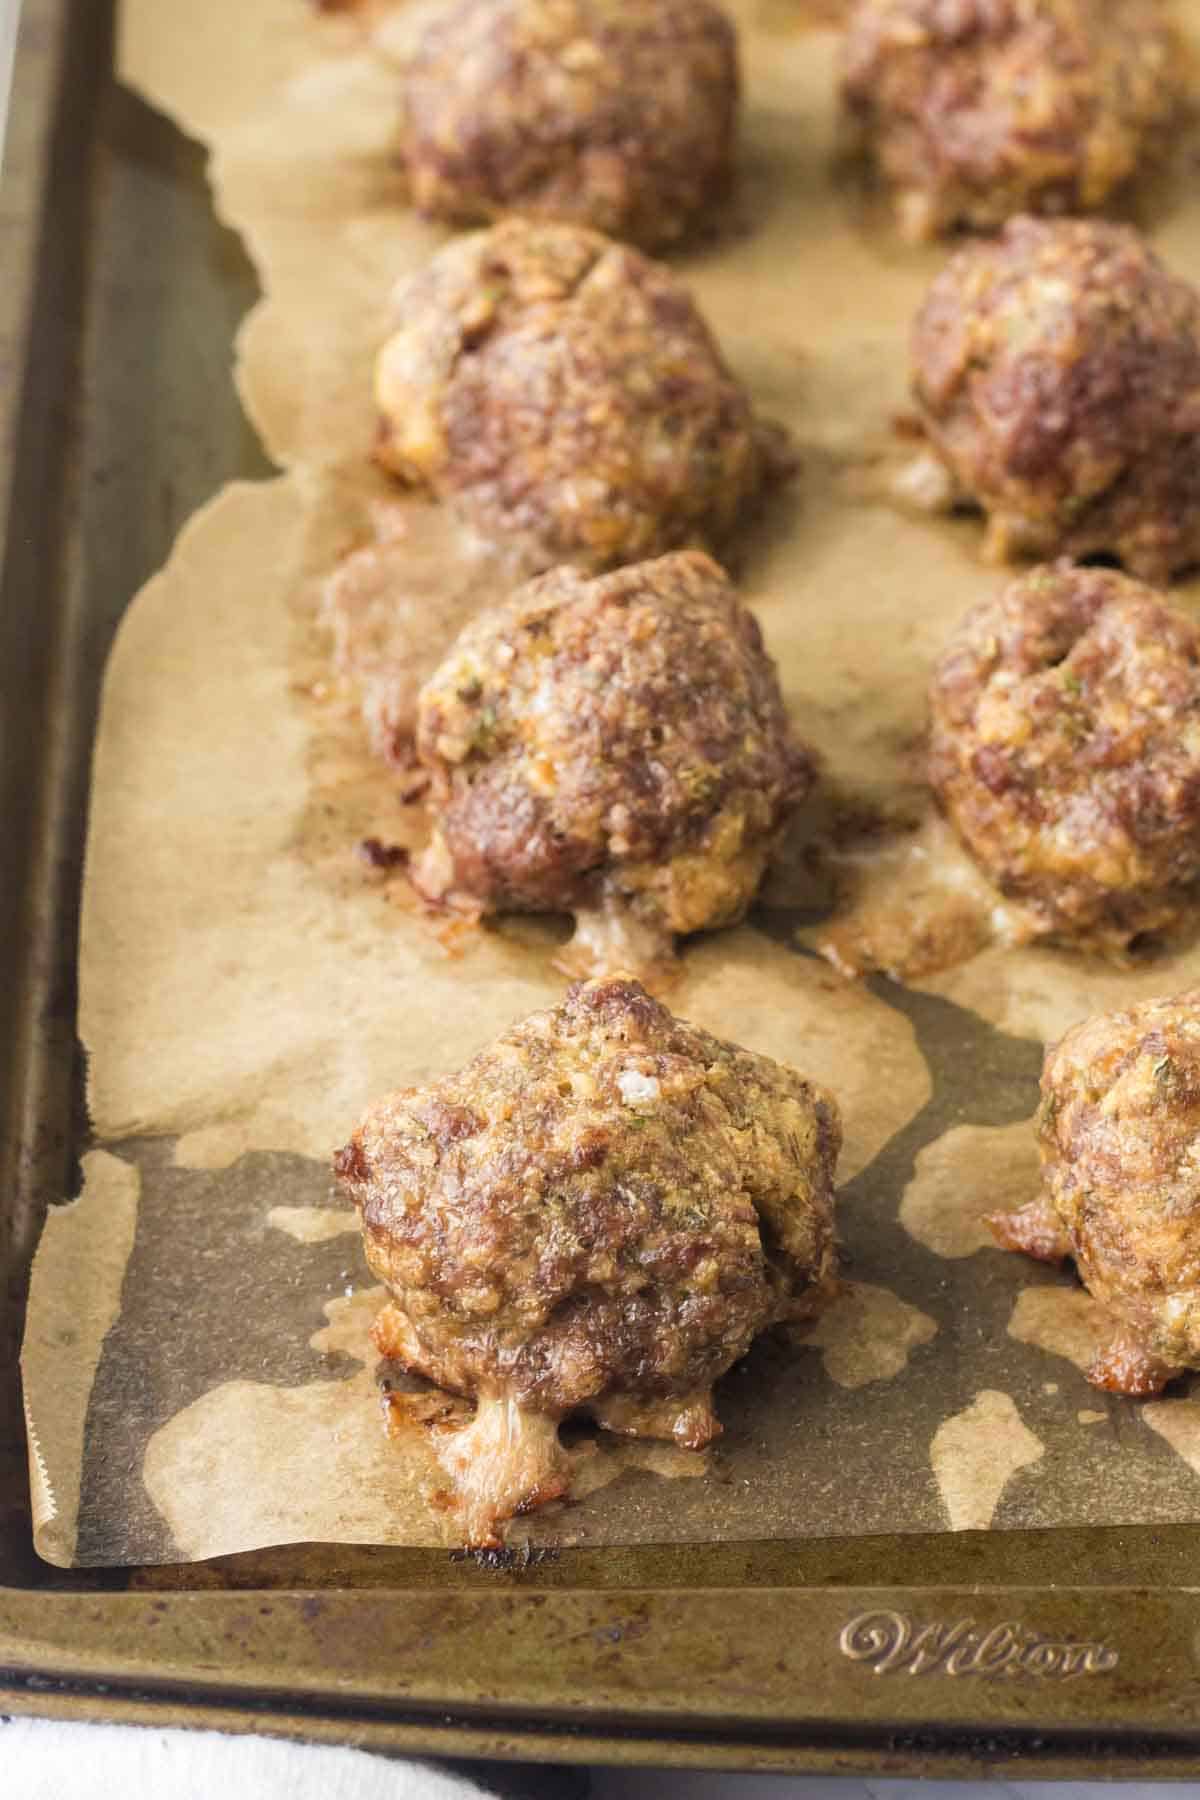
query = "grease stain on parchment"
x=909 y=902
x=975 y=1454
x=1064 y=1321
x=251 y=1464
x=300 y=1008
x=970 y=1171
x=1177 y=1422
x=313 y=1224
x=868 y=1334
x=66 y=1324
x=1041 y=991
x=603 y=1460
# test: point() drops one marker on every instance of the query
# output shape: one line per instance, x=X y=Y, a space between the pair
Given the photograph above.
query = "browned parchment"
x=197 y=1369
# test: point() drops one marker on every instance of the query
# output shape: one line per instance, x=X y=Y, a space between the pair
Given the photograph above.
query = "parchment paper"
x=197 y=1369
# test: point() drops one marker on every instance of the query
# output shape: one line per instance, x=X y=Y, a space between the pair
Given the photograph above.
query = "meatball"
x=599 y=1212
x=1065 y=750
x=615 y=746
x=1057 y=373
x=979 y=109
x=1118 y=1126
x=618 y=114
x=564 y=395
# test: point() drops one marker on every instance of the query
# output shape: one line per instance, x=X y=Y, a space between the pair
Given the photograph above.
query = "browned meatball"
x=1065 y=749
x=979 y=109
x=617 y=114
x=1057 y=371
x=1119 y=1124
x=600 y=1211
x=613 y=745
x=563 y=393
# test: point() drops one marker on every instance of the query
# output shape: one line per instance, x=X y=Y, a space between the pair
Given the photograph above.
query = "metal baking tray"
x=1064 y=1652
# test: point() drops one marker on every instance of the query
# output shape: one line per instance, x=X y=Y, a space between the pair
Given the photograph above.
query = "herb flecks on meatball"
x=563 y=394
x=1057 y=373
x=979 y=109
x=616 y=114
x=616 y=747
x=1065 y=750
x=599 y=1212
x=1118 y=1125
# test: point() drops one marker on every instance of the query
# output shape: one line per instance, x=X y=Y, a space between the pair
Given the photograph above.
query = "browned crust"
x=1126 y=1366
x=620 y=738
x=607 y=1202
x=563 y=394
x=1033 y=1230
x=1057 y=371
x=981 y=109
x=1065 y=749
x=615 y=114
x=1118 y=1128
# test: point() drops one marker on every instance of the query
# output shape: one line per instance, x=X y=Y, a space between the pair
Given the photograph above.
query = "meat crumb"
x=378 y=855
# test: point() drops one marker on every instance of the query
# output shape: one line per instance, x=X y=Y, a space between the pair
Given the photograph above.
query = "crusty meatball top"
x=1057 y=372
x=565 y=396
x=1065 y=749
x=619 y=740
x=601 y=1210
x=1119 y=1125
x=979 y=109
x=618 y=114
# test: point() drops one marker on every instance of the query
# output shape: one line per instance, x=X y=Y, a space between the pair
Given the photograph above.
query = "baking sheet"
x=197 y=1370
